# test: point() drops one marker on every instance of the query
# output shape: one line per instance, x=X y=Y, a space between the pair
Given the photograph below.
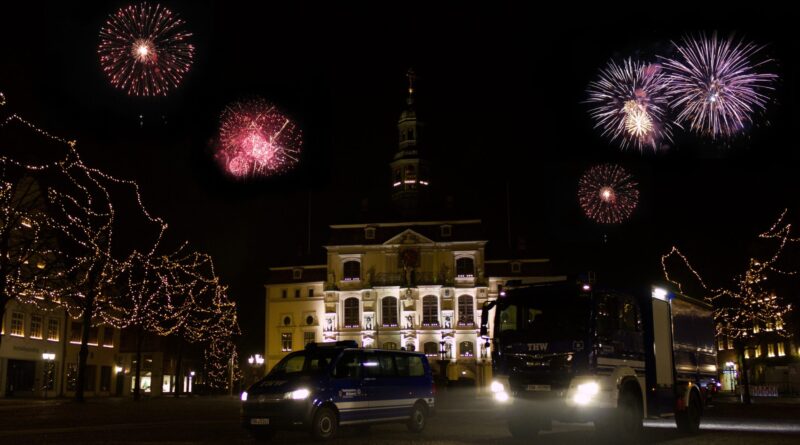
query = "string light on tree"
x=607 y=194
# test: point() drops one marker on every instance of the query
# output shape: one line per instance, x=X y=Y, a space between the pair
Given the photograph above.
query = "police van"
x=328 y=385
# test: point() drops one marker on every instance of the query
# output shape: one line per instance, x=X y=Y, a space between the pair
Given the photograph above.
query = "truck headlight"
x=244 y=396
x=499 y=390
x=298 y=394
x=585 y=392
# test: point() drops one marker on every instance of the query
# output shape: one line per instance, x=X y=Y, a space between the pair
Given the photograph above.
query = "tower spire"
x=412 y=76
x=409 y=166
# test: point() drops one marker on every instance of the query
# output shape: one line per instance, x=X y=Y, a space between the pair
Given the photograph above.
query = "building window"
x=390 y=345
x=430 y=311
x=105 y=379
x=730 y=343
x=91 y=378
x=757 y=352
x=309 y=320
x=770 y=350
x=446 y=231
x=309 y=337
x=431 y=349
x=351 y=313
x=17 y=324
x=297 y=293
x=286 y=341
x=769 y=326
x=721 y=343
x=756 y=329
x=369 y=233
x=53 y=329
x=746 y=353
x=108 y=337
x=516 y=267
x=410 y=347
x=297 y=274
x=466 y=311
x=465 y=268
x=75 y=332
x=310 y=292
x=287 y=321
x=94 y=332
x=779 y=324
x=352 y=270
x=72 y=377
x=284 y=293
x=36 y=326
x=781 y=349
x=389 y=311
x=466 y=349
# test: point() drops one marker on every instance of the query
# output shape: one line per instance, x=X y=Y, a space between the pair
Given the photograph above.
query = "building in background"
x=39 y=354
x=169 y=364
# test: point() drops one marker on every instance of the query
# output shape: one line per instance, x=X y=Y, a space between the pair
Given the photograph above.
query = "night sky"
x=500 y=89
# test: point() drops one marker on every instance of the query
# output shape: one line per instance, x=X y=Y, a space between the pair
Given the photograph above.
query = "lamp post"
x=47 y=358
x=256 y=361
x=191 y=380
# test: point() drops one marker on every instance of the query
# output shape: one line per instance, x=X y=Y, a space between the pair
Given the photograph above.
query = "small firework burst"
x=255 y=139
x=630 y=104
x=718 y=84
x=144 y=50
x=607 y=194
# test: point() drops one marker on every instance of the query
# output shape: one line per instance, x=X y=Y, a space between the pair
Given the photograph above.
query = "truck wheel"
x=419 y=418
x=325 y=423
x=625 y=423
x=631 y=415
x=522 y=428
x=688 y=420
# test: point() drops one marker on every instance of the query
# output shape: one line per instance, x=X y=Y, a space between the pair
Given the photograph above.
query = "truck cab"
x=572 y=352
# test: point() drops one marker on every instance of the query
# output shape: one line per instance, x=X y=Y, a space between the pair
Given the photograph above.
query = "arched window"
x=430 y=311
x=351 y=312
x=410 y=347
x=389 y=311
x=466 y=349
x=352 y=270
x=390 y=345
x=466 y=311
x=465 y=267
x=431 y=348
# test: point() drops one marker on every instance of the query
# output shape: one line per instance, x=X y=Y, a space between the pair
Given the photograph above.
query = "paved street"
x=462 y=420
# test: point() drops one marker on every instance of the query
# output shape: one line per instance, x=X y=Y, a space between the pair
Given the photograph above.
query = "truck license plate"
x=538 y=388
x=259 y=421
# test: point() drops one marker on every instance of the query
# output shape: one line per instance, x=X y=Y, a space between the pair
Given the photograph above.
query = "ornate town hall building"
x=416 y=284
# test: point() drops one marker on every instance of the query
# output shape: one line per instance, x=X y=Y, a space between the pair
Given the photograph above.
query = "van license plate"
x=259 y=421
x=538 y=388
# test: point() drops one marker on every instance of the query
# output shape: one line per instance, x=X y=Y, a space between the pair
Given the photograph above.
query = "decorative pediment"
x=408 y=237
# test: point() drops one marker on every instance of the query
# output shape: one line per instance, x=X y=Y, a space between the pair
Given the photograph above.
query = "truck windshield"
x=544 y=317
x=305 y=362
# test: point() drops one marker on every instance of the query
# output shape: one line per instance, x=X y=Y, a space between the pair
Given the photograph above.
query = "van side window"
x=415 y=366
x=372 y=367
x=387 y=364
x=401 y=362
x=348 y=366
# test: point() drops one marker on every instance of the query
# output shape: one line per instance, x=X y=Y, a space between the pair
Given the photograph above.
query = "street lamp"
x=255 y=361
x=48 y=358
x=191 y=378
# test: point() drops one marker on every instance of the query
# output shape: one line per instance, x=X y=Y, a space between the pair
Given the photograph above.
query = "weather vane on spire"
x=411 y=78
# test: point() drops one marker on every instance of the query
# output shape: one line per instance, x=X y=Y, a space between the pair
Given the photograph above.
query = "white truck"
x=571 y=352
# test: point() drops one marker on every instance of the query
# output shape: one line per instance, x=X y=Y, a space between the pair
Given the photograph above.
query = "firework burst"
x=607 y=194
x=144 y=50
x=630 y=104
x=718 y=84
x=255 y=139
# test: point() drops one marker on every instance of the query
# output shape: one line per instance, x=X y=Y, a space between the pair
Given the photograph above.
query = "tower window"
x=352 y=270
x=447 y=230
x=369 y=233
x=465 y=267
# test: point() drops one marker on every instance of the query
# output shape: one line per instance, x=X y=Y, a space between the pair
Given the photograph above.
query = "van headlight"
x=297 y=394
x=500 y=391
x=585 y=392
x=244 y=396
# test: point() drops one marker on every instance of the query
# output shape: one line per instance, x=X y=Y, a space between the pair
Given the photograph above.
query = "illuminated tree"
x=749 y=304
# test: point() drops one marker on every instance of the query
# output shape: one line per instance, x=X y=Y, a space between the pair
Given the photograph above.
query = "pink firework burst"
x=607 y=194
x=144 y=50
x=256 y=139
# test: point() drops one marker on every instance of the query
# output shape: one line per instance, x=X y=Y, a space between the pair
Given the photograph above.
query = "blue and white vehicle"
x=571 y=352
x=332 y=384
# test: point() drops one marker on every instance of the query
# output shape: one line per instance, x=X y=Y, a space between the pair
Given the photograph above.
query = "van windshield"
x=305 y=362
x=544 y=317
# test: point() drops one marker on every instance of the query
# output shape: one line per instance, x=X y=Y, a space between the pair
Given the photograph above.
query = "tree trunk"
x=3 y=303
x=745 y=378
x=137 y=388
x=83 y=355
x=178 y=370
